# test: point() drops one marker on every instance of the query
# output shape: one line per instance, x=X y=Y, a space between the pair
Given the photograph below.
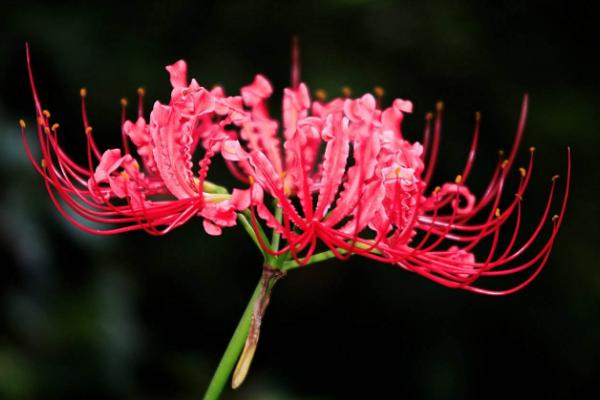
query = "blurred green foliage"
x=138 y=317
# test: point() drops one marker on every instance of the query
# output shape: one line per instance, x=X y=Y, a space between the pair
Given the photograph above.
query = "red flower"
x=345 y=179
x=362 y=188
x=163 y=192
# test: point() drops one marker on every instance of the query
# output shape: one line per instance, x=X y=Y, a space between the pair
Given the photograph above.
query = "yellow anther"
x=555 y=218
x=346 y=91
x=136 y=165
x=83 y=92
x=46 y=130
x=555 y=177
x=437 y=189
x=287 y=190
x=531 y=149
x=498 y=213
x=439 y=106
x=125 y=175
x=321 y=95
x=46 y=113
x=398 y=171
x=141 y=91
x=40 y=121
x=44 y=163
x=55 y=126
x=522 y=171
x=88 y=130
x=504 y=163
x=251 y=180
x=477 y=116
x=282 y=174
x=429 y=116
x=379 y=91
x=22 y=124
x=123 y=102
x=458 y=179
x=518 y=196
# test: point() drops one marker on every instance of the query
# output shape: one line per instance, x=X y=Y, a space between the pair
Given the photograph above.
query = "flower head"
x=156 y=188
x=342 y=178
x=346 y=178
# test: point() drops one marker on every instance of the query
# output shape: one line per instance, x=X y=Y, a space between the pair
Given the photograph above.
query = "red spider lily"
x=113 y=189
x=344 y=178
x=361 y=188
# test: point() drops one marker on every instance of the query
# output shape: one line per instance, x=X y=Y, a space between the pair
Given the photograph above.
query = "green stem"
x=326 y=255
x=246 y=218
x=248 y=227
x=276 y=235
x=261 y=232
x=234 y=348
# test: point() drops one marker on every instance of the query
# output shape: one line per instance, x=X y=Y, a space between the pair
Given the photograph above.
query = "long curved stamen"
x=295 y=73
x=473 y=149
x=124 y=138
x=426 y=135
x=437 y=131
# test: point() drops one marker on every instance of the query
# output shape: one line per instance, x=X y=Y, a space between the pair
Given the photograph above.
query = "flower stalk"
x=232 y=352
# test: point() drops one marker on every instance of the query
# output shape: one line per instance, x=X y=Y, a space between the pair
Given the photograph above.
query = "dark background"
x=134 y=316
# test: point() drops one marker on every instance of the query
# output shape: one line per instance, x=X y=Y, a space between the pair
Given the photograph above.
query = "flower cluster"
x=342 y=179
